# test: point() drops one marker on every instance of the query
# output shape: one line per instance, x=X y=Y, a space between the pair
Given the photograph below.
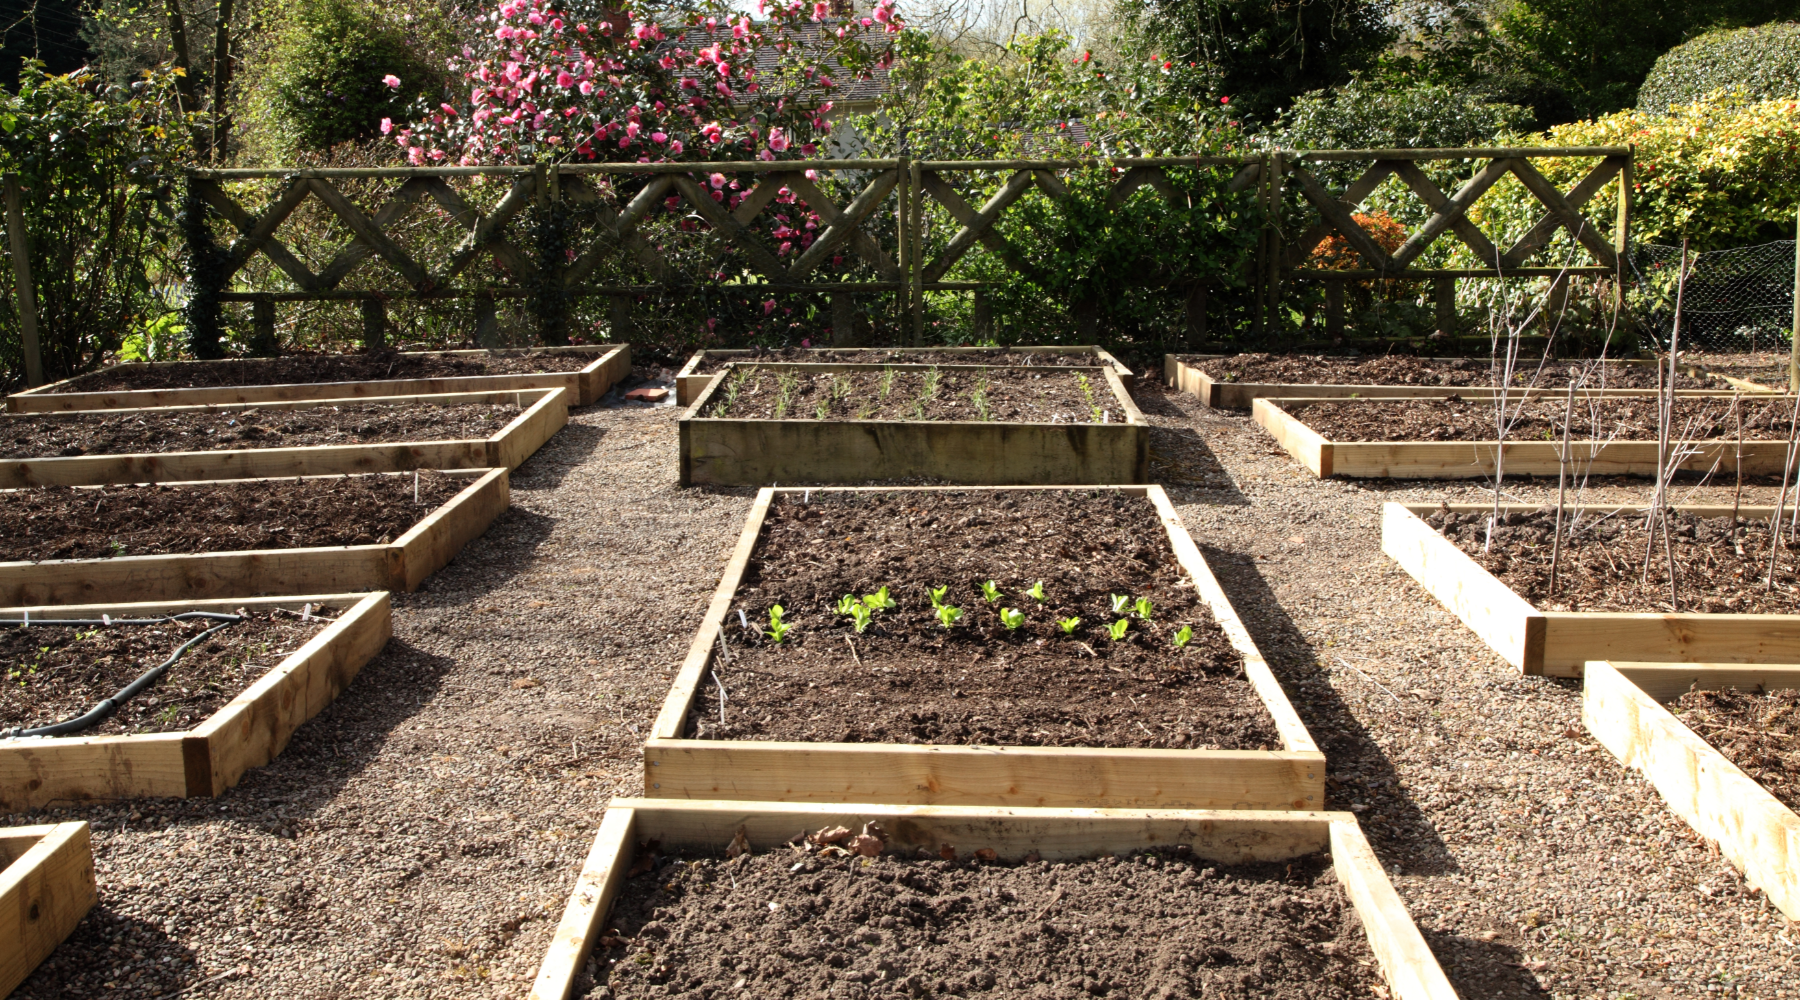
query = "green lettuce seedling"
x=1182 y=637
x=860 y=617
x=948 y=615
x=1142 y=605
x=1012 y=617
x=1117 y=629
x=777 y=627
x=938 y=594
x=1036 y=592
x=1119 y=603
x=991 y=592
x=847 y=603
x=879 y=600
x=1068 y=625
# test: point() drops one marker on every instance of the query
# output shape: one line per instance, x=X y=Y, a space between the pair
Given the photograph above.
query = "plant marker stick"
x=1737 y=495
x=1562 y=486
x=415 y=487
x=1787 y=466
x=721 y=686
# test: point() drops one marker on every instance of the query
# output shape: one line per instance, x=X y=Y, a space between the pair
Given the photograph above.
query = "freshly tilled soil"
x=60 y=435
x=314 y=368
x=1400 y=369
x=1758 y=731
x=1542 y=419
x=1001 y=394
x=901 y=356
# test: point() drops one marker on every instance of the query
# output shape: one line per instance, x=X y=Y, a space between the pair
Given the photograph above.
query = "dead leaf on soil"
x=870 y=842
x=646 y=859
x=831 y=835
x=947 y=852
x=987 y=854
x=740 y=844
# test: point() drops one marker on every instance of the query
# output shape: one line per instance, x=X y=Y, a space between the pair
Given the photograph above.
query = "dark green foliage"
x=205 y=278
x=1366 y=116
x=1757 y=63
x=325 y=73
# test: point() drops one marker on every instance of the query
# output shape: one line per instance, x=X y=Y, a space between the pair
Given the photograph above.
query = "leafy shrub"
x=1755 y=63
x=1363 y=116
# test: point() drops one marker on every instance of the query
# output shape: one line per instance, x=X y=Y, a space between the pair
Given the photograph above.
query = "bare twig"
x=1737 y=495
x=853 y=654
x=1562 y=486
x=1787 y=466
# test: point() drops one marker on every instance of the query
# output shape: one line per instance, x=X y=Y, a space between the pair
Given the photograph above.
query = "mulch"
x=1401 y=369
x=1542 y=419
x=61 y=435
x=900 y=356
x=313 y=368
x=1758 y=731
x=1000 y=394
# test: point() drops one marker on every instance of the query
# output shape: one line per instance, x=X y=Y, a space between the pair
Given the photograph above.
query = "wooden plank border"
x=545 y=411
x=1242 y=395
x=249 y=731
x=1405 y=961
x=676 y=767
x=611 y=362
x=1475 y=459
x=46 y=887
x=1557 y=643
x=1622 y=705
x=731 y=451
x=398 y=565
x=690 y=382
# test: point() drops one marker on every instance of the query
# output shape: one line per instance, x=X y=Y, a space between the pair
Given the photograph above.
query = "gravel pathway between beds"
x=420 y=837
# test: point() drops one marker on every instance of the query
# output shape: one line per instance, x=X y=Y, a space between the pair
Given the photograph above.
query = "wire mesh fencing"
x=1735 y=300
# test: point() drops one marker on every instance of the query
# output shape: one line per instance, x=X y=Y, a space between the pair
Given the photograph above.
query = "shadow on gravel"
x=488 y=563
x=546 y=469
x=111 y=951
x=1360 y=773
x=1488 y=969
x=1179 y=456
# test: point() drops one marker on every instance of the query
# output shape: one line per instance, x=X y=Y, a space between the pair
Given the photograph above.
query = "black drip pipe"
x=104 y=710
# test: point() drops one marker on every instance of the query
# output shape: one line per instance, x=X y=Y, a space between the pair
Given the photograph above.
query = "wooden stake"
x=1562 y=485
x=25 y=305
x=1737 y=495
x=1794 y=337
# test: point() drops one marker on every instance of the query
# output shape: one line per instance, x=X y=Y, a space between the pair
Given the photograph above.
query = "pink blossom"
x=448 y=110
x=721 y=88
x=884 y=13
x=415 y=156
x=535 y=18
x=806 y=343
x=503 y=32
x=741 y=29
x=675 y=148
x=606 y=27
x=820 y=9
x=765 y=155
x=768 y=307
x=587 y=86
x=778 y=140
x=436 y=154
x=582 y=28
x=565 y=79
x=784 y=250
x=387 y=125
x=717 y=181
x=812 y=175
x=556 y=24
x=659 y=137
x=392 y=81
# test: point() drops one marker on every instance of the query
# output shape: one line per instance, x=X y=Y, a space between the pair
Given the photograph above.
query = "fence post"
x=487 y=323
x=917 y=280
x=374 y=323
x=902 y=243
x=843 y=319
x=1622 y=236
x=1334 y=308
x=1445 y=293
x=262 y=327
x=1277 y=168
x=982 y=318
x=1196 y=315
x=25 y=305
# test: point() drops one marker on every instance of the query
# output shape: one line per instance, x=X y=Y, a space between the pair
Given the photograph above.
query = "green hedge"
x=1759 y=63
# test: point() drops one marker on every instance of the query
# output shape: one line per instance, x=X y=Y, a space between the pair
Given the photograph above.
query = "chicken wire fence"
x=1741 y=299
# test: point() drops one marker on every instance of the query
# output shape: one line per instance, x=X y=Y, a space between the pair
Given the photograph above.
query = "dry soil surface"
x=420 y=837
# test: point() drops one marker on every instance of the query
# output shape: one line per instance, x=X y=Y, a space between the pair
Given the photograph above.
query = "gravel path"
x=420 y=837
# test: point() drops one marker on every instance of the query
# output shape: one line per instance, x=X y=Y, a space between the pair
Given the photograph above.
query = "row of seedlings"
x=948 y=741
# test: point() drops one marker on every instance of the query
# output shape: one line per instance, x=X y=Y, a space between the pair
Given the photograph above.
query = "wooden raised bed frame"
x=1622 y=705
x=46 y=887
x=1557 y=643
x=1475 y=459
x=545 y=411
x=938 y=774
x=1405 y=962
x=611 y=363
x=249 y=731
x=401 y=564
x=735 y=451
x=1240 y=395
x=690 y=383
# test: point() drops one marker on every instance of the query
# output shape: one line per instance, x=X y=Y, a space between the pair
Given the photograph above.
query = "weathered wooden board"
x=1557 y=643
x=546 y=411
x=1476 y=459
x=1289 y=778
x=1405 y=961
x=1241 y=395
x=609 y=363
x=690 y=382
x=729 y=451
x=46 y=887
x=1755 y=830
x=247 y=732
x=398 y=565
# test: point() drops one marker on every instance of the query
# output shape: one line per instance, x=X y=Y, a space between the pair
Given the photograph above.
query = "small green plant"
x=991 y=592
x=1068 y=625
x=1012 y=618
x=887 y=380
x=860 y=617
x=785 y=384
x=1036 y=592
x=1120 y=602
x=1142 y=607
x=118 y=547
x=840 y=388
x=1183 y=637
x=938 y=594
x=1087 y=390
x=979 y=397
x=948 y=615
x=777 y=628
x=864 y=412
x=169 y=714
x=1117 y=629
x=847 y=603
x=823 y=410
x=733 y=386
x=879 y=600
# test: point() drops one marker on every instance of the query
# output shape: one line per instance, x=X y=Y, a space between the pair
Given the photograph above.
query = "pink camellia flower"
x=659 y=137
x=392 y=81
x=556 y=24
x=606 y=27
x=866 y=22
x=765 y=155
x=587 y=87
x=784 y=250
x=448 y=110
x=820 y=9
x=436 y=154
x=503 y=32
x=632 y=128
x=689 y=83
x=387 y=125
x=625 y=142
x=884 y=12
x=722 y=89
x=582 y=28
x=535 y=18
x=565 y=79
x=768 y=307
x=1224 y=100
x=415 y=156
x=778 y=140
x=812 y=175
x=717 y=181
x=675 y=148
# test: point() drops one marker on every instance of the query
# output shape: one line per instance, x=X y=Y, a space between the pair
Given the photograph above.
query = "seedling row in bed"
x=704 y=366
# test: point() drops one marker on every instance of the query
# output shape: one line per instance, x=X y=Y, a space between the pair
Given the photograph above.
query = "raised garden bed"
x=1237 y=381
x=1721 y=619
x=495 y=430
x=329 y=535
x=968 y=901
x=587 y=372
x=1627 y=708
x=766 y=424
x=46 y=887
x=704 y=366
x=978 y=713
x=230 y=703
x=1454 y=438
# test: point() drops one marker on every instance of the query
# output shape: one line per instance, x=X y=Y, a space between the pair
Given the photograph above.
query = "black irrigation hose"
x=104 y=710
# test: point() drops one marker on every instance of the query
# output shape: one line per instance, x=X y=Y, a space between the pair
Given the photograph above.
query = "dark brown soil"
x=1602 y=565
x=1004 y=394
x=1398 y=369
x=1757 y=731
x=148 y=431
x=61 y=522
x=310 y=368
x=54 y=673
x=911 y=680
x=902 y=356
x=1695 y=419
x=1164 y=925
